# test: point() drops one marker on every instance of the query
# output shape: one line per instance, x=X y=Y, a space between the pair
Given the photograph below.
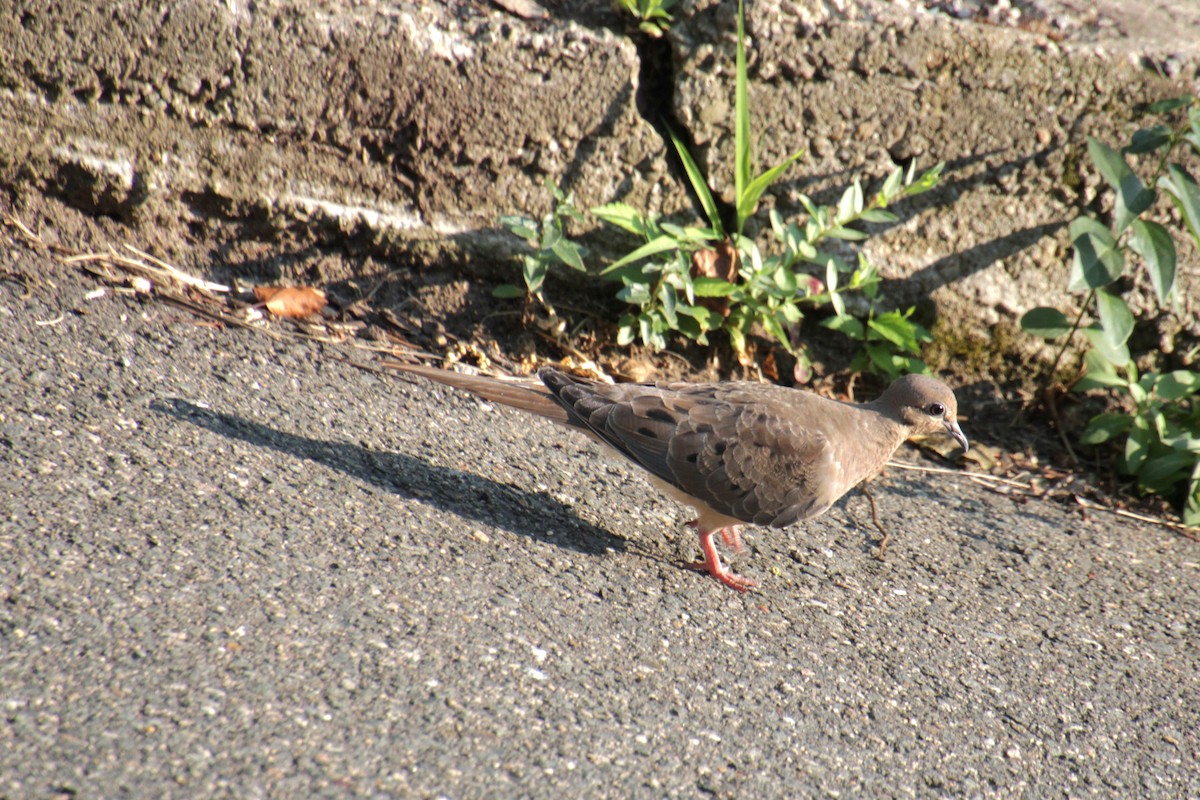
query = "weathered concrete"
x=292 y=139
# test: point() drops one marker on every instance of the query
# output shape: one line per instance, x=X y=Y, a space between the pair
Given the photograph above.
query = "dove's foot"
x=712 y=561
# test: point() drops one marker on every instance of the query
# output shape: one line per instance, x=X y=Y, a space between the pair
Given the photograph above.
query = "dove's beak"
x=955 y=431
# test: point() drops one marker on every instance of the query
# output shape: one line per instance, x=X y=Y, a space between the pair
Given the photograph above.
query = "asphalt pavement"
x=232 y=566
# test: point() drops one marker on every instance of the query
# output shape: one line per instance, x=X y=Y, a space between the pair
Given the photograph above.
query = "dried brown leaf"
x=290 y=301
x=718 y=262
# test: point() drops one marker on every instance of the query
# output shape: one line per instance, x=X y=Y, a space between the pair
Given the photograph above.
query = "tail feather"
x=522 y=394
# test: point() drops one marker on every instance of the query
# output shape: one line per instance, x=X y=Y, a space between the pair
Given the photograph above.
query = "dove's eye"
x=936 y=410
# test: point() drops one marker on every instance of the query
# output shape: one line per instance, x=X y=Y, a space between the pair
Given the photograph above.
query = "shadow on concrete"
x=535 y=515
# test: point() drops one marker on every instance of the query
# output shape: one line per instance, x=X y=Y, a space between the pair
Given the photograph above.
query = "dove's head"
x=925 y=405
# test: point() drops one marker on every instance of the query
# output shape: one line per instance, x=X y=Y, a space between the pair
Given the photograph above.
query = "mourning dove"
x=736 y=452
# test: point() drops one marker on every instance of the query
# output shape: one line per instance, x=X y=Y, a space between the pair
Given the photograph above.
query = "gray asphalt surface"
x=236 y=567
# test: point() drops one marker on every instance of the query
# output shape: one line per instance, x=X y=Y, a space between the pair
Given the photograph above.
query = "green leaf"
x=1186 y=193
x=647 y=327
x=690 y=328
x=689 y=234
x=1176 y=436
x=636 y=294
x=737 y=339
x=1161 y=473
x=774 y=327
x=1169 y=105
x=851 y=203
x=1137 y=393
x=1098 y=260
x=878 y=215
x=1154 y=244
x=568 y=209
x=1115 y=318
x=897 y=329
x=568 y=253
x=1100 y=374
x=831 y=284
x=1137 y=446
x=1191 y=504
x=742 y=168
x=790 y=313
x=520 y=226
x=626 y=329
x=623 y=216
x=893 y=184
x=883 y=359
x=1116 y=355
x=507 y=291
x=1147 y=140
x=846 y=234
x=708 y=319
x=696 y=178
x=534 y=273
x=634 y=273
x=1177 y=384
x=650 y=248
x=1132 y=195
x=786 y=280
x=666 y=296
x=1103 y=427
x=929 y=179
x=1047 y=323
x=846 y=325
x=748 y=200
x=713 y=287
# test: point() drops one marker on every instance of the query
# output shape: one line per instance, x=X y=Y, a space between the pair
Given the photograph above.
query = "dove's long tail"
x=523 y=394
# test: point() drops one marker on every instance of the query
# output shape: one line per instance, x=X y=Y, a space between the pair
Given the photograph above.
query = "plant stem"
x=1070 y=336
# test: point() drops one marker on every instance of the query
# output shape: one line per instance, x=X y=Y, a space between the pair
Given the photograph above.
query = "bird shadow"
x=856 y=505
x=535 y=515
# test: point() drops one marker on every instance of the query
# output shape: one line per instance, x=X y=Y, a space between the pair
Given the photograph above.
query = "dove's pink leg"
x=712 y=561
x=732 y=535
x=733 y=538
